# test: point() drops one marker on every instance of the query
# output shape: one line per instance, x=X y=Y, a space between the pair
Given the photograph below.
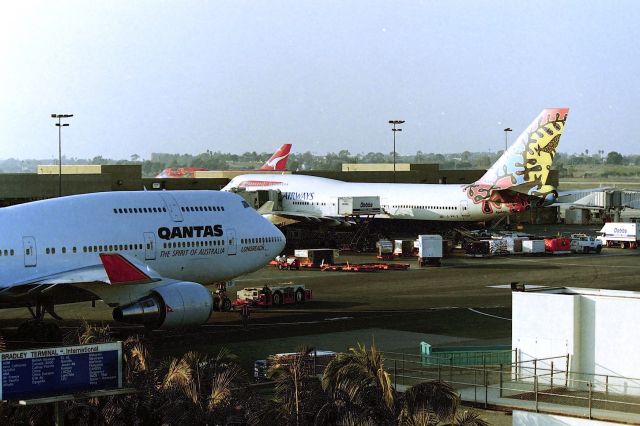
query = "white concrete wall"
x=525 y=418
x=597 y=328
x=610 y=342
x=544 y=326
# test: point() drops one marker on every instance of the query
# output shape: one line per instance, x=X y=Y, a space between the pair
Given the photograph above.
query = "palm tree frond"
x=437 y=397
x=178 y=374
x=470 y=418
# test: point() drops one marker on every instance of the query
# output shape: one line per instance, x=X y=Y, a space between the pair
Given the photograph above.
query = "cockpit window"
x=245 y=204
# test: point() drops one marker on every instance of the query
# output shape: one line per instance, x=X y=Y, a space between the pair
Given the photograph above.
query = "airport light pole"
x=60 y=125
x=395 y=129
x=506 y=132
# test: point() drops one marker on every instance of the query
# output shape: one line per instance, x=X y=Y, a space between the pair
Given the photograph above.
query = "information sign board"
x=38 y=373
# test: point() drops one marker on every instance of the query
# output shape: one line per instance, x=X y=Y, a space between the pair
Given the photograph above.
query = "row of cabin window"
x=99 y=248
x=207 y=243
x=404 y=206
x=6 y=252
x=260 y=240
x=140 y=210
x=307 y=203
x=202 y=209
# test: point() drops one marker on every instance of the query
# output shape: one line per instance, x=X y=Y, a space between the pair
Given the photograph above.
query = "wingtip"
x=122 y=271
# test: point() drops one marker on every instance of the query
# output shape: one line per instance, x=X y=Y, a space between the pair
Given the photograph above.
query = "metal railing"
x=541 y=385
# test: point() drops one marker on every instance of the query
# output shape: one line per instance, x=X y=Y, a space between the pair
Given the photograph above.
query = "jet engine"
x=179 y=304
x=546 y=195
x=550 y=198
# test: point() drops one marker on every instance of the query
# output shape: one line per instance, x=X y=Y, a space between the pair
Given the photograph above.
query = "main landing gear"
x=36 y=329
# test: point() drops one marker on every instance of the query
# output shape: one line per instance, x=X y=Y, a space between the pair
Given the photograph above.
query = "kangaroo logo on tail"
x=524 y=168
x=278 y=160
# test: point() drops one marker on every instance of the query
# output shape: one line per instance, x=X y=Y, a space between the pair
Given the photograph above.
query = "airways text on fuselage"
x=294 y=196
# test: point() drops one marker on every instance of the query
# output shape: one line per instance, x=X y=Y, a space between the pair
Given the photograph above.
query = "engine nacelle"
x=550 y=198
x=173 y=305
x=546 y=195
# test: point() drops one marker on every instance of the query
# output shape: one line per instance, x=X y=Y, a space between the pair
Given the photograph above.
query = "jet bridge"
x=609 y=200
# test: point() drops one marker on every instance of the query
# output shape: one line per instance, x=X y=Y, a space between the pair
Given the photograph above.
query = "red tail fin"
x=278 y=161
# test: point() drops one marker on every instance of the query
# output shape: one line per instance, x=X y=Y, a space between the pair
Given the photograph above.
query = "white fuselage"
x=199 y=236
x=319 y=196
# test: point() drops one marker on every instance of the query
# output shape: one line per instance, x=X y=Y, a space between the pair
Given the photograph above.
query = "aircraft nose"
x=280 y=240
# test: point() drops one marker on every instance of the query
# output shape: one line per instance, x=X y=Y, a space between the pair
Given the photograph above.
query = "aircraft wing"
x=114 y=270
x=283 y=217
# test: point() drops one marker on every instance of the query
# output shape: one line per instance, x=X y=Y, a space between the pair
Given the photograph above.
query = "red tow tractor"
x=288 y=263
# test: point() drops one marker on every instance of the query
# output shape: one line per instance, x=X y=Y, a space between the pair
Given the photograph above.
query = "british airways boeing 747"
x=517 y=180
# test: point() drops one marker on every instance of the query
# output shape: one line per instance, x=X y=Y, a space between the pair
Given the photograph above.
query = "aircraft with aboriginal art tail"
x=516 y=181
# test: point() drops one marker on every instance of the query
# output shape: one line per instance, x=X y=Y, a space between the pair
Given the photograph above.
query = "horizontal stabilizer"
x=266 y=208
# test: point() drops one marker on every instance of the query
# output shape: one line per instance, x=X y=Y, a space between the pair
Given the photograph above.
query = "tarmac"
x=467 y=301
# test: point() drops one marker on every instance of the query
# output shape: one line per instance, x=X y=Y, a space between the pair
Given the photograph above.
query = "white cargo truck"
x=429 y=250
x=620 y=234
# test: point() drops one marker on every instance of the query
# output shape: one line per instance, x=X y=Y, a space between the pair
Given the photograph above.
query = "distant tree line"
x=309 y=161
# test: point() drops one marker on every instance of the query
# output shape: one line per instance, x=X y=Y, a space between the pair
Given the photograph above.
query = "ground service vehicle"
x=285 y=294
x=429 y=250
x=582 y=243
x=384 y=249
x=403 y=248
x=288 y=263
x=314 y=363
x=620 y=234
x=557 y=245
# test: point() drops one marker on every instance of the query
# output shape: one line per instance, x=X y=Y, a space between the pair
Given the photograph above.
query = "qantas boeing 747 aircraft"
x=146 y=254
x=277 y=162
x=512 y=184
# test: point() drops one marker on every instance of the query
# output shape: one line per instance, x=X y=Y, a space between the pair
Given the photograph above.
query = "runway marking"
x=489 y=315
x=268 y=278
x=582 y=264
x=508 y=286
x=268 y=324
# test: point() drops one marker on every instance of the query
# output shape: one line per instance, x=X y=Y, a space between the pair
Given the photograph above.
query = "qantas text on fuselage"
x=145 y=253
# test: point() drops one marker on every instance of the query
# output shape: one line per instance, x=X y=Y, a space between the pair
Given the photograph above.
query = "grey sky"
x=235 y=76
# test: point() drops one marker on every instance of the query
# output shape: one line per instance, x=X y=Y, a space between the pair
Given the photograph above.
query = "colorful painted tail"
x=278 y=161
x=522 y=171
x=525 y=166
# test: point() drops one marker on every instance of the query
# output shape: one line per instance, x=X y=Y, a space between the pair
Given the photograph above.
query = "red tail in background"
x=278 y=161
